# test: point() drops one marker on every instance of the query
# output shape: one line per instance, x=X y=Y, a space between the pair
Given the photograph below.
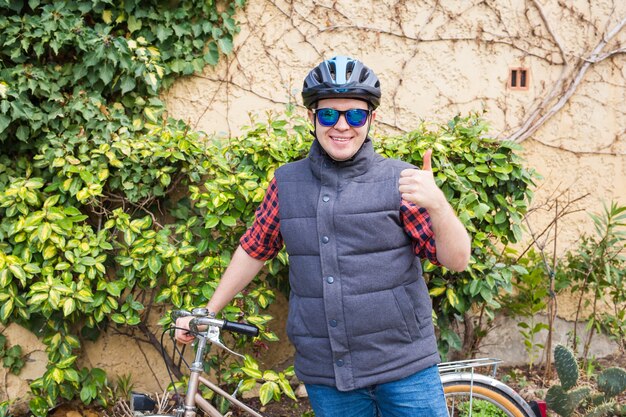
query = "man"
x=355 y=226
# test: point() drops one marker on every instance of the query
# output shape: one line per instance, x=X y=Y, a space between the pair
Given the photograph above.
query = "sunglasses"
x=329 y=117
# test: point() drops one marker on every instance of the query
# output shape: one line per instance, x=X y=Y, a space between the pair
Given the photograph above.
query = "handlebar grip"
x=243 y=328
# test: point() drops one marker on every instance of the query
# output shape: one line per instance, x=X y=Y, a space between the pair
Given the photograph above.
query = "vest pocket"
x=405 y=304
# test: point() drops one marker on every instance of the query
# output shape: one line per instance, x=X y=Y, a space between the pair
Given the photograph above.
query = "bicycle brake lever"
x=213 y=336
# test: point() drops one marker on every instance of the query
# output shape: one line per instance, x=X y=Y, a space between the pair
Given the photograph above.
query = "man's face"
x=341 y=141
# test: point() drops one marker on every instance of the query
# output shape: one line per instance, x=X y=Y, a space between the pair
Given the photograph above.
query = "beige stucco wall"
x=435 y=59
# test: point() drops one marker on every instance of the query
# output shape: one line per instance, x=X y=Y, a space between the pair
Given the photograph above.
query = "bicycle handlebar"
x=202 y=320
x=243 y=328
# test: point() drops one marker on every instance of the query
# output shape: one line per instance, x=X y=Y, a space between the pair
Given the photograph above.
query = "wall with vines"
x=438 y=58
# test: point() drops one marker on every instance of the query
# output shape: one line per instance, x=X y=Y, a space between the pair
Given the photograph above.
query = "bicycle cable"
x=175 y=351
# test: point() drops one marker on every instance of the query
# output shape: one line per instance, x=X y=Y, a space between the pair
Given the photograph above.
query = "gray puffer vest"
x=359 y=309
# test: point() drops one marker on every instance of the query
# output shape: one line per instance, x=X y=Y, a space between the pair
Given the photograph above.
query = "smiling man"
x=355 y=226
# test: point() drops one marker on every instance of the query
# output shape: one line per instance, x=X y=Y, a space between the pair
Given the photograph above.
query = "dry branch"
x=544 y=111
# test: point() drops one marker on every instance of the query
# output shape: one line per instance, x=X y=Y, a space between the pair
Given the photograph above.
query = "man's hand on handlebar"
x=182 y=333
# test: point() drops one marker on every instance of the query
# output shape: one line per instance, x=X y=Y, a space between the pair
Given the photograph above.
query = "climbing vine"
x=88 y=164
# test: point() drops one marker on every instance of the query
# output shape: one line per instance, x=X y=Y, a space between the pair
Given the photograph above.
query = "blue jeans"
x=418 y=395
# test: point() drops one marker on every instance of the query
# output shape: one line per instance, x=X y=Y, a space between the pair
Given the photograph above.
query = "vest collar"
x=320 y=161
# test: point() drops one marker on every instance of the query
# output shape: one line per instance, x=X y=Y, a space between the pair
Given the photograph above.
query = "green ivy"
x=88 y=167
x=11 y=356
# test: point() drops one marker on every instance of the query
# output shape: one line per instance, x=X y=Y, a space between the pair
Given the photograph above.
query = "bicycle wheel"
x=486 y=396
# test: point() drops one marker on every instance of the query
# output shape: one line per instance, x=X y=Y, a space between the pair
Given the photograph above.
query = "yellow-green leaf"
x=4 y=277
x=150 y=114
x=251 y=372
x=247 y=385
x=268 y=391
x=49 y=252
x=107 y=16
x=57 y=375
x=284 y=385
x=44 y=231
x=6 y=310
x=453 y=299
x=69 y=306
x=437 y=291
x=270 y=376
x=178 y=264
x=17 y=272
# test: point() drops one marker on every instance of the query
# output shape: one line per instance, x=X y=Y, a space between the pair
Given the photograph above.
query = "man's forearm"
x=453 y=242
x=241 y=270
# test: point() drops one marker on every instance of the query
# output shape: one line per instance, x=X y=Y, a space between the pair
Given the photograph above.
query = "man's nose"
x=342 y=123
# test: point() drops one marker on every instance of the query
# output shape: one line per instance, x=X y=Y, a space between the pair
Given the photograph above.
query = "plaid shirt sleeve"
x=416 y=223
x=263 y=240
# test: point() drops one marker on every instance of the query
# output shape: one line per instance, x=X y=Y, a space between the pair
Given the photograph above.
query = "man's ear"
x=373 y=115
x=311 y=116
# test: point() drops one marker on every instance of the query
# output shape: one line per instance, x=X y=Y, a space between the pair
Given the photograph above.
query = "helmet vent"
x=363 y=76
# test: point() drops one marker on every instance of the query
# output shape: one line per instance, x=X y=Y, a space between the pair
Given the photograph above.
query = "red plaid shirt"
x=263 y=240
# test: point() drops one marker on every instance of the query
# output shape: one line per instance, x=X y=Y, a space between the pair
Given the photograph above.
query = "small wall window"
x=519 y=78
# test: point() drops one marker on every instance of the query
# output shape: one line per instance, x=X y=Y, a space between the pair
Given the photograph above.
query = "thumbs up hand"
x=419 y=187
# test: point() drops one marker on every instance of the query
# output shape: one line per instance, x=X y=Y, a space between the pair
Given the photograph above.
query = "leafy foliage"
x=485 y=182
x=108 y=208
x=88 y=165
x=11 y=356
x=529 y=299
x=480 y=408
x=597 y=268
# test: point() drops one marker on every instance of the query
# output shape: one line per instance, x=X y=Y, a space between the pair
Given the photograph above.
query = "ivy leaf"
x=22 y=133
x=134 y=24
x=212 y=56
x=226 y=45
x=127 y=84
x=107 y=16
x=5 y=121
x=106 y=72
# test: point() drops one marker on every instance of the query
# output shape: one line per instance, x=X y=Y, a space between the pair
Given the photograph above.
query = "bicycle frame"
x=460 y=376
x=193 y=398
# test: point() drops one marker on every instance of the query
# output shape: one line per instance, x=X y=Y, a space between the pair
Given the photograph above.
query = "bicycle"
x=463 y=386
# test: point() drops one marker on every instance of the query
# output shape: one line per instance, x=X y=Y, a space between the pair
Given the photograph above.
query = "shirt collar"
x=353 y=167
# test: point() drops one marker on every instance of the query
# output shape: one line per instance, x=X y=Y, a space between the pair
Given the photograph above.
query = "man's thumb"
x=427 y=166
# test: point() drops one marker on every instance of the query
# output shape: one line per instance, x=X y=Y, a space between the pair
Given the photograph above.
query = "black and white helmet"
x=341 y=77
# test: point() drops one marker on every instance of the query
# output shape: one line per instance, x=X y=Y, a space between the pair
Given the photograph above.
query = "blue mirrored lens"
x=327 y=117
x=354 y=117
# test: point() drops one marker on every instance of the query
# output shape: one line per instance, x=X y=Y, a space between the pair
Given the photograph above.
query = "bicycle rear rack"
x=470 y=365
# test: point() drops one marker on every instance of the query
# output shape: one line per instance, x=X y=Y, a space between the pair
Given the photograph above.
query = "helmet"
x=341 y=77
